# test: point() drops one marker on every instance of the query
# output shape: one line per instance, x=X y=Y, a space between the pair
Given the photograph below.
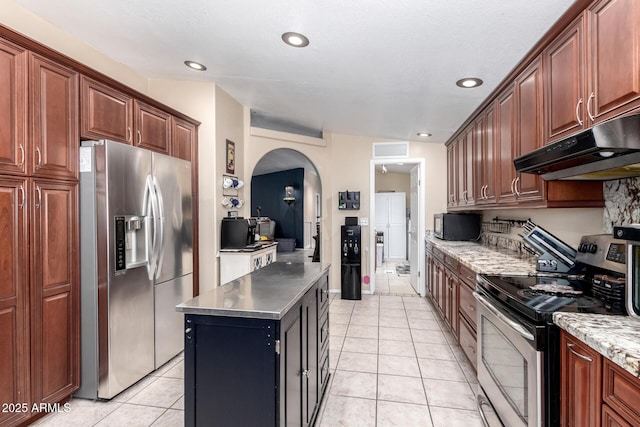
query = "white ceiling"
x=380 y=68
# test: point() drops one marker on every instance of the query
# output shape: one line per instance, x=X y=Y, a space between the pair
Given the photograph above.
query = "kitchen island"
x=256 y=348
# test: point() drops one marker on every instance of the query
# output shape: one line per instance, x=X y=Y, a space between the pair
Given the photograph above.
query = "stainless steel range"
x=518 y=344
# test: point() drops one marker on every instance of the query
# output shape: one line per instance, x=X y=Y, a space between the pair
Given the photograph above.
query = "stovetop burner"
x=538 y=297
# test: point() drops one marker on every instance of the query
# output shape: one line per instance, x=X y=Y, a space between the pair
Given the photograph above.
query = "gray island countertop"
x=267 y=293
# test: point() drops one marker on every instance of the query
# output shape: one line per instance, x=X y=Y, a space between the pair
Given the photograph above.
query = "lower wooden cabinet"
x=580 y=384
x=39 y=290
x=249 y=372
x=594 y=390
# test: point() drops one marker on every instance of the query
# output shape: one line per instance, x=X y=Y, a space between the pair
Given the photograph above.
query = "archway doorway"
x=286 y=188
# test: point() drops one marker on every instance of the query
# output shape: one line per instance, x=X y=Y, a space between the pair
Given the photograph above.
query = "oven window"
x=507 y=367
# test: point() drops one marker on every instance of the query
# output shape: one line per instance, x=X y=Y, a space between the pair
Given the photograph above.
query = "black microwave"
x=457 y=226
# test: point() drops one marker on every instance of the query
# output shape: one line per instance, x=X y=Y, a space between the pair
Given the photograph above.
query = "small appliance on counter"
x=457 y=226
x=237 y=232
x=631 y=233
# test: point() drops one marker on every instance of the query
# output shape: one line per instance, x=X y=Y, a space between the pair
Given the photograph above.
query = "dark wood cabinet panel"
x=13 y=108
x=106 y=113
x=565 y=83
x=529 y=129
x=505 y=121
x=54 y=107
x=580 y=385
x=152 y=127
x=55 y=325
x=452 y=175
x=468 y=341
x=14 y=292
x=184 y=137
x=611 y=419
x=621 y=391
x=614 y=57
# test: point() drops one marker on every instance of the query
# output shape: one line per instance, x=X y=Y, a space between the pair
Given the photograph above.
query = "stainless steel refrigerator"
x=136 y=263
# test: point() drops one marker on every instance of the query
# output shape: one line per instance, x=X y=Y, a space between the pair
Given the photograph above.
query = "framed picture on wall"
x=231 y=157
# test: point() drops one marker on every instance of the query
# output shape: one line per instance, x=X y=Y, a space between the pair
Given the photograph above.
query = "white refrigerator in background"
x=136 y=263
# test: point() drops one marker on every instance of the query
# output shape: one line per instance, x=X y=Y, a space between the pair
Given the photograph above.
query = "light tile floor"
x=393 y=363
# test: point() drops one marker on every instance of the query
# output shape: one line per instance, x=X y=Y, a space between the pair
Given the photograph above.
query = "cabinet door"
x=55 y=328
x=105 y=112
x=54 y=106
x=153 y=127
x=452 y=177
x=488 y=155
x=615 y=57
x=529 y=129
x=14 y=292
x=310 y=372
x=13 y=108
x=184 y=137
x=291 y=370
x=565 y=83
x=505 y=121
x=580 y=383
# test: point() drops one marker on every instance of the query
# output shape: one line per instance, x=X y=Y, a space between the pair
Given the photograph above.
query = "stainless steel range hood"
x=609 y=150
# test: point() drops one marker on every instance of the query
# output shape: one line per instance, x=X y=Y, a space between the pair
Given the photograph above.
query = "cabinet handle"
x=580 y=122
x=515 y=186
x=513 y=181
x=39 y=158
x=306 y=373
x=188 y=330
x=129 y=134
x=593 y=95
x=486 y=189
x=570 y=347
x=21 y=148
x=325 y=329
x=39 y=196
x=21 y=205
x=324 y=291
x=139 y=137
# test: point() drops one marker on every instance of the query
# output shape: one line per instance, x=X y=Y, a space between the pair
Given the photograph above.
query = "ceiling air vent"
x=390 y=149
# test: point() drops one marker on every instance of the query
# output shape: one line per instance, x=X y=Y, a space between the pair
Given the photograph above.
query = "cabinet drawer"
x=468 y=342
x=324 y=329
x=468 y=276
x=451 y=263
x=324 y=370
x=468 y=304
x=621 y=391
x=438 y=254
x=323 y=289
x=611 y=419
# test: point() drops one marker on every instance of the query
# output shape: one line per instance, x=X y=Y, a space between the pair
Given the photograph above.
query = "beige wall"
x=398 y=182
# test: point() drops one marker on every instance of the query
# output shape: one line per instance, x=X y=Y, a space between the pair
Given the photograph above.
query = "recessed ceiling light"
x=195 y=65
x=295 y=39
x=423 y=134
x=469 y=82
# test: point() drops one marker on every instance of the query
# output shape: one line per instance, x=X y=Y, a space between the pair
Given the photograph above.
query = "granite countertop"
x=615 y=337
x=486 y=259
x=256 y=247
x=267 y=293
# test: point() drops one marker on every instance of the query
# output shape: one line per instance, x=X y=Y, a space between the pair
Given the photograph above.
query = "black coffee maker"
x=237 y=233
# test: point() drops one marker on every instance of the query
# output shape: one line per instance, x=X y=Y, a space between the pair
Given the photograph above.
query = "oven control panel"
x=603 y=251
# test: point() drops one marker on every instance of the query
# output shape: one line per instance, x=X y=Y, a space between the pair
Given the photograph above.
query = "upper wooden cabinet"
x=528 y=129
x=13 y=108
x=452 y=175
x=484 y=164
x=105 y=112
x=592 y=68
x=55 y=140
x=183 y=139
x=505 y=141
x=464 y=160
x=152 y=127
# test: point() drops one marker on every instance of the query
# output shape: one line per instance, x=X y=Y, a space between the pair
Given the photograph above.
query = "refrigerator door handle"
x=152 y=214
x=160 y=225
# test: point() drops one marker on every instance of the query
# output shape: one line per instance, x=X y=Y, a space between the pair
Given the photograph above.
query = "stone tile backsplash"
x=621 y=202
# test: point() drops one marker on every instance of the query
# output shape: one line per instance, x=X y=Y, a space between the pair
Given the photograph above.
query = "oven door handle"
x=509 y=322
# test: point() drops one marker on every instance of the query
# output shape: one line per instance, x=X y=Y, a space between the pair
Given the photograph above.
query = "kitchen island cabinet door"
x=14 y=292
x=55 y=310
x=55 y=141
x=580 y=383
x=615 y=58
x=13 y=108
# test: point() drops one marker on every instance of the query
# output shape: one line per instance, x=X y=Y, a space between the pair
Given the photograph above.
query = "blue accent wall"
x=267 y=191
